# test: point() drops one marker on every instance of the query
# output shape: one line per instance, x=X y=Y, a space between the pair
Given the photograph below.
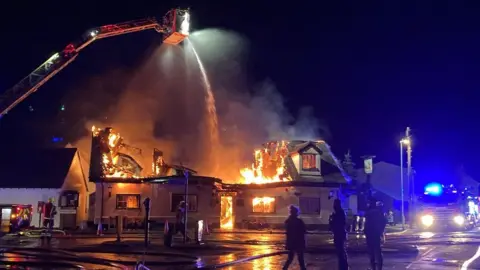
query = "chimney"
x=157 y=156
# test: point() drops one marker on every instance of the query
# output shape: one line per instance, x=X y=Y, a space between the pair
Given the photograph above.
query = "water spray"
x=210 y=102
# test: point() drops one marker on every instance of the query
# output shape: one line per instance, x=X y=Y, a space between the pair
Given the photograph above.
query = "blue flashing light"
x=433 y=189
x=57 y=139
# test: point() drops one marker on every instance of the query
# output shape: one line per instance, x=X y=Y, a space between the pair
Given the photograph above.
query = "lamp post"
x=411 y=185
x=405 y=141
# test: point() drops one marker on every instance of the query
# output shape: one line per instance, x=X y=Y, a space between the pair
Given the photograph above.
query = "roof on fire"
x=35 y=168
x=330 y=164
x=321 y=146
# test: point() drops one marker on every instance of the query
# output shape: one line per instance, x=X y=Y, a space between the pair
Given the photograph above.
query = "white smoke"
x=162 y=106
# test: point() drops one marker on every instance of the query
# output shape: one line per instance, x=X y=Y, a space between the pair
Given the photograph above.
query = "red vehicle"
x=15 y=217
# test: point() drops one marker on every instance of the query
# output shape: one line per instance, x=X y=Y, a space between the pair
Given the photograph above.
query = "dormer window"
x=309 y=162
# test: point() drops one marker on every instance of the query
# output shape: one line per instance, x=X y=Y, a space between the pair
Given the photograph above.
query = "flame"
x=269 y=165
x=110 y=157
x=263 y=204
x=112 y=139
x=226 y=212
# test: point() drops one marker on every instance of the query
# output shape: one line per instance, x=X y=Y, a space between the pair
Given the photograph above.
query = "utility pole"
x=409 y=176
x=408 y=144
x=402 y=142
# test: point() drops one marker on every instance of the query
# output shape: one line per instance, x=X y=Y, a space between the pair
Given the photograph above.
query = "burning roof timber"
x=109 y=160
x=276 y=161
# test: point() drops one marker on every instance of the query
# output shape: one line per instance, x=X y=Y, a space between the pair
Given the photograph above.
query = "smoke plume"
x=161 y=104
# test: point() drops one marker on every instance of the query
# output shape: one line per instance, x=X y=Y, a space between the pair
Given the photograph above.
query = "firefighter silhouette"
x=49 y=212
x=375 y=222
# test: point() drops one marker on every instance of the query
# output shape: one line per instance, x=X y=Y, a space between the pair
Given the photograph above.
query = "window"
x=309 y=205
x=69 y=199
x=309 y=162
x=128 y=201
x=192 y=203
x=263 y=205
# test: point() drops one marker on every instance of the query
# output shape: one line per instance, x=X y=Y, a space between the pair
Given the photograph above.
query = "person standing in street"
x=337 y=226
x=375 y=223
x=295 y=231
x=49 y=213
x=180 y=219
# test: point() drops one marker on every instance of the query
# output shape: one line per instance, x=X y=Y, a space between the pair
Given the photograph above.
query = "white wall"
x=30 y=196
x=285 y=197
x=160 y=196
x=386 y=178
x=76 y=181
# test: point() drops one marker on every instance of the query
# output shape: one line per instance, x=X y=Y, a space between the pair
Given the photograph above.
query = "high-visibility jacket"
x=49 y=211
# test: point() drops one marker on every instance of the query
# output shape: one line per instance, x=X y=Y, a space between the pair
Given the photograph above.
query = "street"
x=440 y=250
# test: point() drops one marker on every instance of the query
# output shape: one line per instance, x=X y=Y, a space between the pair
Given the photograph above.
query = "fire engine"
x=15 y=217
x=447 y=207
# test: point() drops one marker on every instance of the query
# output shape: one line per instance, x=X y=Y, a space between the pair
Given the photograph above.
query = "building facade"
x=52 y=173
x=125 y=200
x=283 y=173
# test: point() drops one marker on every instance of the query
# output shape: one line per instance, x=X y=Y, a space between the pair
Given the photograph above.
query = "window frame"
x=127 y=208
x=303 y=212
x=311 y=169
x=173 y=208
x=274 y=206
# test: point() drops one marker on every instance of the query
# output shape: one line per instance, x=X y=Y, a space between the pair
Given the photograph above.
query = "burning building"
x=122 y=184
x=284 y=173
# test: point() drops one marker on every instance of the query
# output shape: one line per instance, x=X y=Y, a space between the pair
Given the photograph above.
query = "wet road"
x=437 y=250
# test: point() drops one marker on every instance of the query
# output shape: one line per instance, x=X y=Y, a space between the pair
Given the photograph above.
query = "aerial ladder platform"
x=174 y=26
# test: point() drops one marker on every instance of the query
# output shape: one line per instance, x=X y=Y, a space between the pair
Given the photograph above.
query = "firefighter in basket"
x=49 y=212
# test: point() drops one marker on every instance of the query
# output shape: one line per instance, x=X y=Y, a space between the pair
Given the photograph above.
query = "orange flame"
x=226 y=212
x=111 y=168
x=269 y=165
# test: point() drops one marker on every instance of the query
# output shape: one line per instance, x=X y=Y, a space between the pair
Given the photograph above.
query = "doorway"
x=226 y=213
x=5 y=219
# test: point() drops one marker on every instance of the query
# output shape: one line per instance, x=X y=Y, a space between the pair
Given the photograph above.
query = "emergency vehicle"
x=15 y=217
x=447 y=207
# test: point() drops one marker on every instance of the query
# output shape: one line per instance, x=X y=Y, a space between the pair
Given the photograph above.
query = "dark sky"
x=369 y=70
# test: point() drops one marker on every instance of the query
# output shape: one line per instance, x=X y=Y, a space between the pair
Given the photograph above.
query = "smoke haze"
x=162 y=104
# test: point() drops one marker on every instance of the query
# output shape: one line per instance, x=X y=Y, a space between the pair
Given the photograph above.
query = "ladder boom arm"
x=28 y=85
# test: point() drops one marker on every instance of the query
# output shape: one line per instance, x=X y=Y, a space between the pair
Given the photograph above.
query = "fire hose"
x=30 y=234
x=51 y=258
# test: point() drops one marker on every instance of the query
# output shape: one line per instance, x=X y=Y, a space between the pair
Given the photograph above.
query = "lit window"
x=309 y=205
x=263 y=205
x=128 y=201
x=309 y=162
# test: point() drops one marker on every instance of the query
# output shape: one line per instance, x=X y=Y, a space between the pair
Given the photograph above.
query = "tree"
x=349 y=167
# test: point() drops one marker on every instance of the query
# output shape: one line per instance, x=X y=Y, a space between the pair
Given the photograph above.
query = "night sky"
x=369 y=70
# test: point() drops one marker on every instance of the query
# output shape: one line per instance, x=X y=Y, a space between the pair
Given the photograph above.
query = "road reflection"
x=263 y=263
x=228 y=258
x=426 y=235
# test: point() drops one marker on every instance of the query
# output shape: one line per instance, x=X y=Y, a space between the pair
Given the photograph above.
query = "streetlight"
x=404 y=141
